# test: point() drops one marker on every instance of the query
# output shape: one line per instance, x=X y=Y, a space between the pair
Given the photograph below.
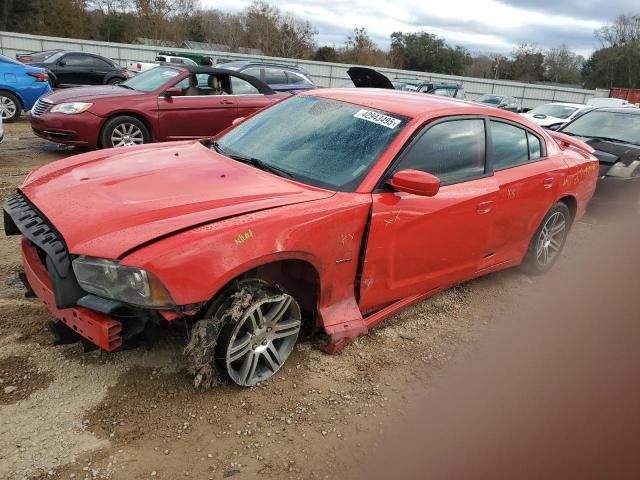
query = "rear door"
x=99 y=69
x=74 y=69
x=200 y=112
x=417 y=244
x=528 y=180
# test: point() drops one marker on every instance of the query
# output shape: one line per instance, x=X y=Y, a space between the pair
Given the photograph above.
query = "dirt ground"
x=134 y=415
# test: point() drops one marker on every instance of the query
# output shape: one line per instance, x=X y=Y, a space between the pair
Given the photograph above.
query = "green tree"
x=326 y=54
x=425 y=52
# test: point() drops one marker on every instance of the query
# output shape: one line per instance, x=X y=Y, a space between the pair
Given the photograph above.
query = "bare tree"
x=562 y=65
x=625 y=29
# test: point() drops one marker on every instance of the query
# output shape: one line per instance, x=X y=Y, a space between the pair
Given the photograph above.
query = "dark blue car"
x=20 y=87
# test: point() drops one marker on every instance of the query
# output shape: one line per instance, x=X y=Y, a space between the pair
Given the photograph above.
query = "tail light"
x=127 y=73
x=40 y=77
x=24 y=59
x=139 y=66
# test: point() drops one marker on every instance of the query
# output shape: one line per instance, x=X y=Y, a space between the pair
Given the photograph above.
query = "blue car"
x=20 y=87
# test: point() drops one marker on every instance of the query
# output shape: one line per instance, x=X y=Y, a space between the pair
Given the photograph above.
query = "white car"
x=608 y=102
x=556 y=114
x=139 y=67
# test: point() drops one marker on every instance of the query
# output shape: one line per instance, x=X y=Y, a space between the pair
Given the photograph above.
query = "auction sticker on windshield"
x=379 y=118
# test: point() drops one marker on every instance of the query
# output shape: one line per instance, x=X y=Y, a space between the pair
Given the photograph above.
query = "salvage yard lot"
x=69 y=414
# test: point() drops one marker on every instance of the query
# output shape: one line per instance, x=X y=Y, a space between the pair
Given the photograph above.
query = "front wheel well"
x=298 y=278
x=138 y=116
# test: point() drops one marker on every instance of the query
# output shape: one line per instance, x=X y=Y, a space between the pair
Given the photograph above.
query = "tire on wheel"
x=549 y=240
x=115 y=81
x=122 y=131
x=246 y=335
x=10 y=107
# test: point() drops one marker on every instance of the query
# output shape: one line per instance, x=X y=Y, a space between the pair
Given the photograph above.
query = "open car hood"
x=368 y=78
x=109 y=202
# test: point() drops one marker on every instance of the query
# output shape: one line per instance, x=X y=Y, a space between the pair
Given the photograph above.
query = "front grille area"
x=41 y=106
x=22 y=217
x=32 y=224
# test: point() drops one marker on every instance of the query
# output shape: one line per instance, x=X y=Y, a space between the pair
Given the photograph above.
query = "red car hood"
x=109 y=202
x=87 y=94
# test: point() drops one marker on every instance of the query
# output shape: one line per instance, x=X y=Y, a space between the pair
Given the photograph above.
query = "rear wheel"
x=549 y=240
x=246 y=335
x=10 y=107
x=115 y=81
x=123 y=131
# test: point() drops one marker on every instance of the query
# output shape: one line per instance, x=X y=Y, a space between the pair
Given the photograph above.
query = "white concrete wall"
x=324 y=74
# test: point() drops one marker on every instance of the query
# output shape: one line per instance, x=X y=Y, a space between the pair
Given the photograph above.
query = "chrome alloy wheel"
x=551 y=238
x=263 y=339
x=126 y=134
x=8 y=108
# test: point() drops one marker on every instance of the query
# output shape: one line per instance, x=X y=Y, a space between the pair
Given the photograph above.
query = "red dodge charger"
x=161 y=104
x=333 y=207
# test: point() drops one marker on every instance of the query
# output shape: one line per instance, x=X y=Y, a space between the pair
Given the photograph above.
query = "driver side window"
x=453 y=151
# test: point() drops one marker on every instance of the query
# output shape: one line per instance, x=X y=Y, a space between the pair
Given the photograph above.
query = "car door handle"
x=485 y=207
x=226 y=102
x=548 y=183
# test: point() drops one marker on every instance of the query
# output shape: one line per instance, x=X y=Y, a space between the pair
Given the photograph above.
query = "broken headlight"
x=107 y=278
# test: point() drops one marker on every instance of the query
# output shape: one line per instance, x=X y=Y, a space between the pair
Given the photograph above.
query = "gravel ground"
x=134 y=415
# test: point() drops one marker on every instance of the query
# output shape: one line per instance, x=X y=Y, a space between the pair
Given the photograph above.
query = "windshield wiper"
x=125 y=86
x=250 y=161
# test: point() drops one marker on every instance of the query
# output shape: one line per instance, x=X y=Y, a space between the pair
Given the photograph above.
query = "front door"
x=205 y=108
x=417 y=244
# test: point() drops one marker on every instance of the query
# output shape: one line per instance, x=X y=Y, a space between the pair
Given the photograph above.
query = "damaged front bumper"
x=98 y=328
x=105 y=323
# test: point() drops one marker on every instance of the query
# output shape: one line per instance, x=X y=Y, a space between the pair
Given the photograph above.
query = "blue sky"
x=479 y=25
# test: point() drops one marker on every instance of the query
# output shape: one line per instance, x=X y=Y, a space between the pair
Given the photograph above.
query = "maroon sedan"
x=162 y=104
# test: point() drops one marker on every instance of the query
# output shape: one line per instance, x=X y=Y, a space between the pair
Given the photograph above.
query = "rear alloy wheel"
x=115 y=81
x=549 y=240
x=9 y=107
x=123 y=132
x=247 y=334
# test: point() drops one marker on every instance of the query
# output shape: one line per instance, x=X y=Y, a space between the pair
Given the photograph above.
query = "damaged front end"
x=48 y=274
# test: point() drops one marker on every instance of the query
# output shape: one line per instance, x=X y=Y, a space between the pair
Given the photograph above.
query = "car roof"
x=242 y=63
x=630 y=110
x=410 y=104
x=565 y=104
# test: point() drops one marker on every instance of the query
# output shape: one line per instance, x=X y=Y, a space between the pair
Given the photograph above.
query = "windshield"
x=557 y=111
x=611 y=125
x=491 y=99
x=325 y=143
x=152 y=79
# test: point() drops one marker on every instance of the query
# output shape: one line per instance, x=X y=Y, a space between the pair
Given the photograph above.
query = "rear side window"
x=513 y=146
x=274 y=76
x=100 y=63
x=460 y=93
x=297 y=78
x=78 y=60
x=535 y=147
x=453 y=151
